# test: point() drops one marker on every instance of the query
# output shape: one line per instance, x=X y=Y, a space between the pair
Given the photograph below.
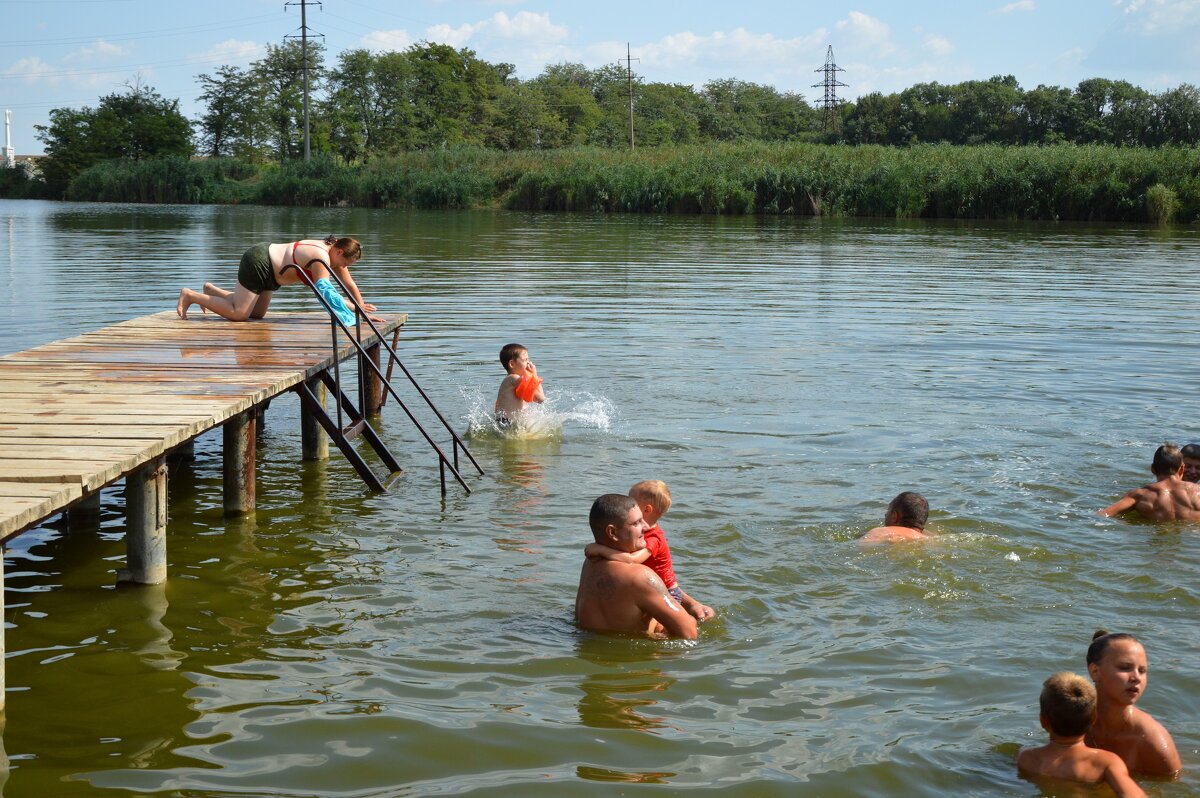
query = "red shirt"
x=660 y=555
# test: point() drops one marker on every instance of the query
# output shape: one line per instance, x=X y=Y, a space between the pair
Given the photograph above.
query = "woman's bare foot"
x=183 y=304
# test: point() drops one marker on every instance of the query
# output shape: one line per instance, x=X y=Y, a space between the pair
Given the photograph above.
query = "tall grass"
x=1065 y=181
x=164 y=180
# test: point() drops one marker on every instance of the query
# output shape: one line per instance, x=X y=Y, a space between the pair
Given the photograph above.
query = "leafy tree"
x=1177 y=113
x=452 y=95
x=234 y=121
x=1047 y=116
x=667 y=113
x=985 y=111
x=138 y=124
x=567 y=90
x=873 y=119
x=369 y=108
x=281 y=77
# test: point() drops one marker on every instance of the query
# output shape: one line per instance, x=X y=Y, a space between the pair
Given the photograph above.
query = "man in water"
x=1191 y=462
x=904 y=520
x=625 y=597
x=1168 y=499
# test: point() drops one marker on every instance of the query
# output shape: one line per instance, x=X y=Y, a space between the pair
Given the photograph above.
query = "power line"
x=304 y=59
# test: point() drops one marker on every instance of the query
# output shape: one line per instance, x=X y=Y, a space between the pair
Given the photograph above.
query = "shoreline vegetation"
x=1065 y=182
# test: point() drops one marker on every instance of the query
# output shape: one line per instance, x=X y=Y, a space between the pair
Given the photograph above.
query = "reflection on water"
x=785 y=377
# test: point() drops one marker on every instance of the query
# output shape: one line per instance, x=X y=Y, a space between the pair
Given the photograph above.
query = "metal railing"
x=364 y=359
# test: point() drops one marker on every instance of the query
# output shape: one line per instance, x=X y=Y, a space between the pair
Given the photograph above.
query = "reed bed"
x=1068 y=182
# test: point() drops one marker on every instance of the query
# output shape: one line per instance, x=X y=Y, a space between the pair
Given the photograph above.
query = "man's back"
x=1169 y=499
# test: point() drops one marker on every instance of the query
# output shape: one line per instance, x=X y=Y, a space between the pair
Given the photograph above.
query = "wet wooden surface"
x=79 y=413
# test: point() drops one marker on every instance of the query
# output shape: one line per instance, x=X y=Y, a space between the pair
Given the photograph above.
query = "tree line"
x=371 y=105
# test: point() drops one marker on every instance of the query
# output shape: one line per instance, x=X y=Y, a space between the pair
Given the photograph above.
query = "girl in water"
x=1117 y=664
x=261 y=273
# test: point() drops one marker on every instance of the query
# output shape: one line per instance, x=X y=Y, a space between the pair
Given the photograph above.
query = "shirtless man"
x=1168 y=499
x=1191 y=462
x=625 y=597
x=904 y=520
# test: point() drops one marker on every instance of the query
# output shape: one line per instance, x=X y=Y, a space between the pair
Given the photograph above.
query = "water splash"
x=538 y=421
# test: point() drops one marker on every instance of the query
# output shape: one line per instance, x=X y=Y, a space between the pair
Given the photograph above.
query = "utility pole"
x=830 y=121
x=629 y=77
x=304 y=57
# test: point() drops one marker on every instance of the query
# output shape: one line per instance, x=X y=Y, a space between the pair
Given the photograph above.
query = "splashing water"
x=540 y=421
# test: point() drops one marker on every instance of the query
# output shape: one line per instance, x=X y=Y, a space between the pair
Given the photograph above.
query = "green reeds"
x=164 y=180
x=1068 y=182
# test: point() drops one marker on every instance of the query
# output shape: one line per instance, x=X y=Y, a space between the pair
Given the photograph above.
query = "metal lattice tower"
x=830 y=121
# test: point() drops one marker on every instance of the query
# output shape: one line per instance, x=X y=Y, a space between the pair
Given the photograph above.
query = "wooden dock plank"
x=78 y=413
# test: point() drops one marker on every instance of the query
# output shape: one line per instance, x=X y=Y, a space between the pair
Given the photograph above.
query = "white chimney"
x=10 y=159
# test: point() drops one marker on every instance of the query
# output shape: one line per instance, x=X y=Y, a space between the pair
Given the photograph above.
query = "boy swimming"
x=1170 y=498
x=520 y=386
x=1068 y=707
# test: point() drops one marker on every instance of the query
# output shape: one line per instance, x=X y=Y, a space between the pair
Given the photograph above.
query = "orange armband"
x=527 y=387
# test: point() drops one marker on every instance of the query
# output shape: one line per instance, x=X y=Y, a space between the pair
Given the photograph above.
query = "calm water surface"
x=785 y=377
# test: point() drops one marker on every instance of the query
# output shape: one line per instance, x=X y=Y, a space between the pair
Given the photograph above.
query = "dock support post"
x=314 y=443
x=85 y=513
x=373 y=386
x=146 y=524
x=239 y=439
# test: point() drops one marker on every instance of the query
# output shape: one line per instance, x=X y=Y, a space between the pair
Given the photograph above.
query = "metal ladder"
x=342 y=433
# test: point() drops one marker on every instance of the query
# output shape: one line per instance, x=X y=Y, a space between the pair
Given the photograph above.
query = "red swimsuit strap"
x=296 y=262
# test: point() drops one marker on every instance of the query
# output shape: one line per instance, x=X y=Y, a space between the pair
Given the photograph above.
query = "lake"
x=785 y=377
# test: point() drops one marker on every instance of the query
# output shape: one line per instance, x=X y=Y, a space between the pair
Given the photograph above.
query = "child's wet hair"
x=1101 y=640
x=1068 y=702
x=510 y=352
x=654 y=491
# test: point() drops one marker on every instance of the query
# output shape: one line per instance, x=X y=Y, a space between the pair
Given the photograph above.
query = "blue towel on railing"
x=339 y=306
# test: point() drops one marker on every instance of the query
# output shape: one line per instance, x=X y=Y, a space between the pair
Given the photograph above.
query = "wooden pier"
x=84 y=412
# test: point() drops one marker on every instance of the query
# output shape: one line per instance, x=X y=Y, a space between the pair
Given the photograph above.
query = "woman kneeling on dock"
x=261 y=273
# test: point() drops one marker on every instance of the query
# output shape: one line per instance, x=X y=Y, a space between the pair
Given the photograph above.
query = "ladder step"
x=354 y=430
x=391 y=480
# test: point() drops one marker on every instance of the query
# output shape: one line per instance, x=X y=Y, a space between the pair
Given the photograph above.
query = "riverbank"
x=1060 y=182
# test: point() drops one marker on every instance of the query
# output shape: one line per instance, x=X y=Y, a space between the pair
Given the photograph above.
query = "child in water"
x=1117 y=664
x=654 y=500
x=520 y=386
x=1068 y=707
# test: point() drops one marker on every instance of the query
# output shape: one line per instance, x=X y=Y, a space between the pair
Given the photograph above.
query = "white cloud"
x=1163 y=16
x=1019 y=5
x=31 y=70
x=938 y=45
x=382 y=41
x=526 y=27
x=866 y=33
x=95 y=50
x=232 y=52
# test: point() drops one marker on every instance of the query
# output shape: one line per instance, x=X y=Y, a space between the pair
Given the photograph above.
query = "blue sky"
x=68 y=53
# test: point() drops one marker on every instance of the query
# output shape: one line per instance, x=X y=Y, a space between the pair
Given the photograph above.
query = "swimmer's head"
x=509 y=353
x=908 y=509
x=1167 y=460
x=1101 y=640
x=350 y=248
x=1191 y=462
x=653 y=492
x=1068 y=704
x=610 y=510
